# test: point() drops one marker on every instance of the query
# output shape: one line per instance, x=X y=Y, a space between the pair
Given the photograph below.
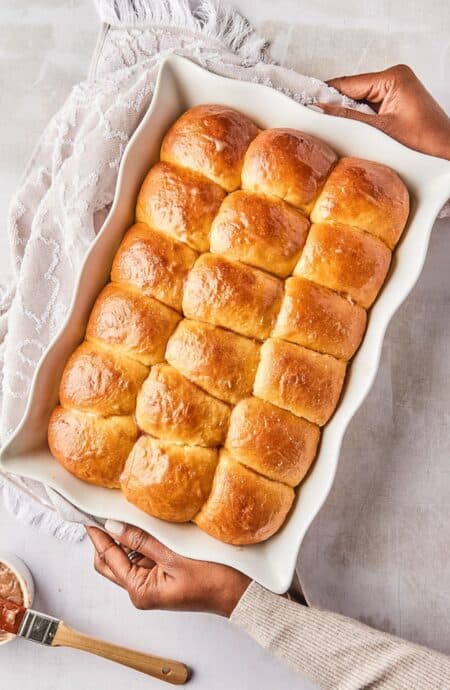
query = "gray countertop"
x=379 y=549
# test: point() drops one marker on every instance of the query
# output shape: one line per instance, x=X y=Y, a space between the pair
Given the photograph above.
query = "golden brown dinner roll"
x=222 y=363
x=262 y=231
x=135 y=325
x=319 y=318
x=304 y=382
x=243 y=507
x=179 y=202
x=346 y=260
x=171 y=407
x=230 y=294
x=168 y=481
x=92 y=448
x=272 y=441
x=154 y=263
x=211 y=140
x=289 y=164
x=366 y=195
x=101 y=381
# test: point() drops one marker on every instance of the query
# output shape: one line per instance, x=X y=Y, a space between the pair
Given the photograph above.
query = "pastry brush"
x=46 y=630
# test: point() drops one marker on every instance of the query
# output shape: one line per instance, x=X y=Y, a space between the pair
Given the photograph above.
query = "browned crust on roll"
x=154 y=263
x=101 y=381
x=366 y=195
x=232 y=295
x=317 y=317
x=304 y=382
x=272 y=441
x=211 y=140
x=346 y=260
x=168 y=481
x=243 y=507
x=133 y=324
x=222 y=363
x=170 y=407
x=180 y=203
x=90 y=447
x=262 y=231
x=289 y=164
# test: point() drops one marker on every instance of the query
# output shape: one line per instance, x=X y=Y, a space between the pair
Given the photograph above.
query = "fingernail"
x=317 y=108
x=114 y=527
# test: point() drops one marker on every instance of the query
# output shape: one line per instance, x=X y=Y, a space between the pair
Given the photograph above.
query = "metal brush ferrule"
x=38 y=627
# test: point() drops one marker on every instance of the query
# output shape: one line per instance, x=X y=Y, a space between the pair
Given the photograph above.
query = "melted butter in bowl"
x=10 y=587
x=16 y=585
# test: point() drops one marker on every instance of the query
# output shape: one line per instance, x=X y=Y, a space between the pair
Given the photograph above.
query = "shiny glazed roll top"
x=211 y=140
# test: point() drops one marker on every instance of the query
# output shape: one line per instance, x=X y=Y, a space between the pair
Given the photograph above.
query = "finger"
x=371 y=86
x=104 y=570
x=139 y=559
x=138 y=540
x=147 y=588
x=351 y=114
x=112 y=554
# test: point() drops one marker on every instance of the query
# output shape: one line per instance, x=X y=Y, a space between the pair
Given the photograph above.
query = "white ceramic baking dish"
x=182 y=84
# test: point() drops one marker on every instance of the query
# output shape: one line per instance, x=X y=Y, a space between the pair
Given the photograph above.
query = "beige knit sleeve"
x=337 y=652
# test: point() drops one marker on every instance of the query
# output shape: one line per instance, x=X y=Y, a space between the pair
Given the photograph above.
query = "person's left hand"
x=162 y=579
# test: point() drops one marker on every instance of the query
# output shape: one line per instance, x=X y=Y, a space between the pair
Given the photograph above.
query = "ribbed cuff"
x=254 y=611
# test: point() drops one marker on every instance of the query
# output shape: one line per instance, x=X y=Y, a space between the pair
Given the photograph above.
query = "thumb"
x=138 y=540
x=371 y=86
x=378 y=121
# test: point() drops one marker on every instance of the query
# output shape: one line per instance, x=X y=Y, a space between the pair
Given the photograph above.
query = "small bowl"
x=25 y=579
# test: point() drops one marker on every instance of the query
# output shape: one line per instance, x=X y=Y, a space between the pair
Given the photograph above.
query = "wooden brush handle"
x=164 y=669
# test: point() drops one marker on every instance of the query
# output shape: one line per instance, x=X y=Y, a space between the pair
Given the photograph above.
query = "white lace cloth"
x=68 y=186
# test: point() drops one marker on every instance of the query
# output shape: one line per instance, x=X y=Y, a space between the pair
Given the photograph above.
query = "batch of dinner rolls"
x=219 y=348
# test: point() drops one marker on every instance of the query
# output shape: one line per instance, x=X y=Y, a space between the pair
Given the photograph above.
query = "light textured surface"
x=45 y=48
x=222 y=657
x=379 y=548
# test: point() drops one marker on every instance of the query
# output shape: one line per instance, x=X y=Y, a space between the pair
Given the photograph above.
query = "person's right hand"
x=404 y=108
x=159 y=578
